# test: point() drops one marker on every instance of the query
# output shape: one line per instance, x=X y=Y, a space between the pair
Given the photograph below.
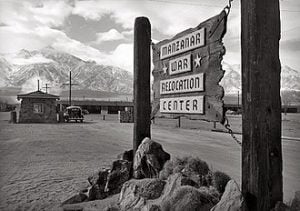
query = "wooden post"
x=142 y=109
x=261 y=150
x=13 y=117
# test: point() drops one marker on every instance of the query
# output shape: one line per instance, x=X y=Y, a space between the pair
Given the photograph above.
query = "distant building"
x=99 y=106
x=37 y=107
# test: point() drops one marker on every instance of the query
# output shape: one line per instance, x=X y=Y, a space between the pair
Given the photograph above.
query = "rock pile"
x=189 y=186
x=149 y=160
x=150 y=181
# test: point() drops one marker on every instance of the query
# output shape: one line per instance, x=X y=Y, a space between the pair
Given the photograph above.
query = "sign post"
x=187 y=71
x=142 y=107
x=261 y=148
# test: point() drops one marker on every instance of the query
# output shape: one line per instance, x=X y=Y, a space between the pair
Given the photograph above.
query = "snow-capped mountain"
x=5 y=70
x=53 y=67
x=290 y=78
x=231 y=82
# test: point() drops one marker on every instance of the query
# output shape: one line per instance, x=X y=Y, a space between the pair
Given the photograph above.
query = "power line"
x=206 y=5
x=175 y=2
x=187 y=3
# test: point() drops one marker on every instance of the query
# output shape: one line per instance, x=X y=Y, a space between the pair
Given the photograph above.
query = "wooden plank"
x=261 y=149
x=205 y=59
x=142 y=106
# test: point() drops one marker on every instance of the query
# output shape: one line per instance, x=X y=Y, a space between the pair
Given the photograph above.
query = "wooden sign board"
x=187 y=71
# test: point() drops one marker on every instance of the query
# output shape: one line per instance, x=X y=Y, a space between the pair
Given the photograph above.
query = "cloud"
x=90 y=10
x=167 y=18
x=78 y=49
x=35 y=24
x=31 y=84
x=122 y=57
x=110 y=35
x=31 y=14
x=14 y=39
x=127 y=33
x=40 y=37
x=3 y=24
x=51 y=13
x=31 y=60
x=26 y=20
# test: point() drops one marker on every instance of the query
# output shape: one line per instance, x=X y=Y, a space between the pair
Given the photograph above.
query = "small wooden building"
x=38 y=107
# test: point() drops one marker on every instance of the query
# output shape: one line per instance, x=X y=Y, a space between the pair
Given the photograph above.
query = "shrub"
x=186 y=165
x=219 y=181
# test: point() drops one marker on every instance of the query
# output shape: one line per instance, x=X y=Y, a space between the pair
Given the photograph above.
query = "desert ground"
x=42 y=165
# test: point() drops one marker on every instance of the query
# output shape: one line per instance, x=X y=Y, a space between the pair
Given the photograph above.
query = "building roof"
x=71 y=107
x=37 y=94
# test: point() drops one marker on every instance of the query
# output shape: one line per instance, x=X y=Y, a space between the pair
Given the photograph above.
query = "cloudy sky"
x=102 y=30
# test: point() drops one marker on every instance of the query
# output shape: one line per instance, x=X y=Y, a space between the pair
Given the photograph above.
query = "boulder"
x=176 y=193
x=213 y=192
x=280 y=206
x=107 y=204
x=96 y=192
x=127 y=155
x=220 y=180
x=135 y=193
x=296 y=202
x=78 y=198
x=98 y=182
x=187 y=198
x=119 y=174
x=149 y=159
x=231 y=199
x=100 y=177
x=175 y=181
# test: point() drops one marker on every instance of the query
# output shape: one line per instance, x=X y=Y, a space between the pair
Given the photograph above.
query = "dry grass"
x=187 y=165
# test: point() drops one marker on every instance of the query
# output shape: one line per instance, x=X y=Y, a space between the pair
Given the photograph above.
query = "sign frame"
x=205 y=59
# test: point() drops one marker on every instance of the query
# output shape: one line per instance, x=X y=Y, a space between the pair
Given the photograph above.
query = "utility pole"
x=46 y=87
x=70 y=88
x=261 y=150
x=142 y=107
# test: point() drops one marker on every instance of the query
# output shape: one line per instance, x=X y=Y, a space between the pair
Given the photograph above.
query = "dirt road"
x=41 y=165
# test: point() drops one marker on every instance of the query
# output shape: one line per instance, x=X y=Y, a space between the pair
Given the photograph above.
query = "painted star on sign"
x=197 y=60
x=165 y=68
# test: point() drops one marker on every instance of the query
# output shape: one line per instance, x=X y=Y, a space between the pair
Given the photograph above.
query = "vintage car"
x=73 y=113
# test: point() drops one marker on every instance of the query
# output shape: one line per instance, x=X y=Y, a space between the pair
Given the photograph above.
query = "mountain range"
x=52 y=67
x=231 y=82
